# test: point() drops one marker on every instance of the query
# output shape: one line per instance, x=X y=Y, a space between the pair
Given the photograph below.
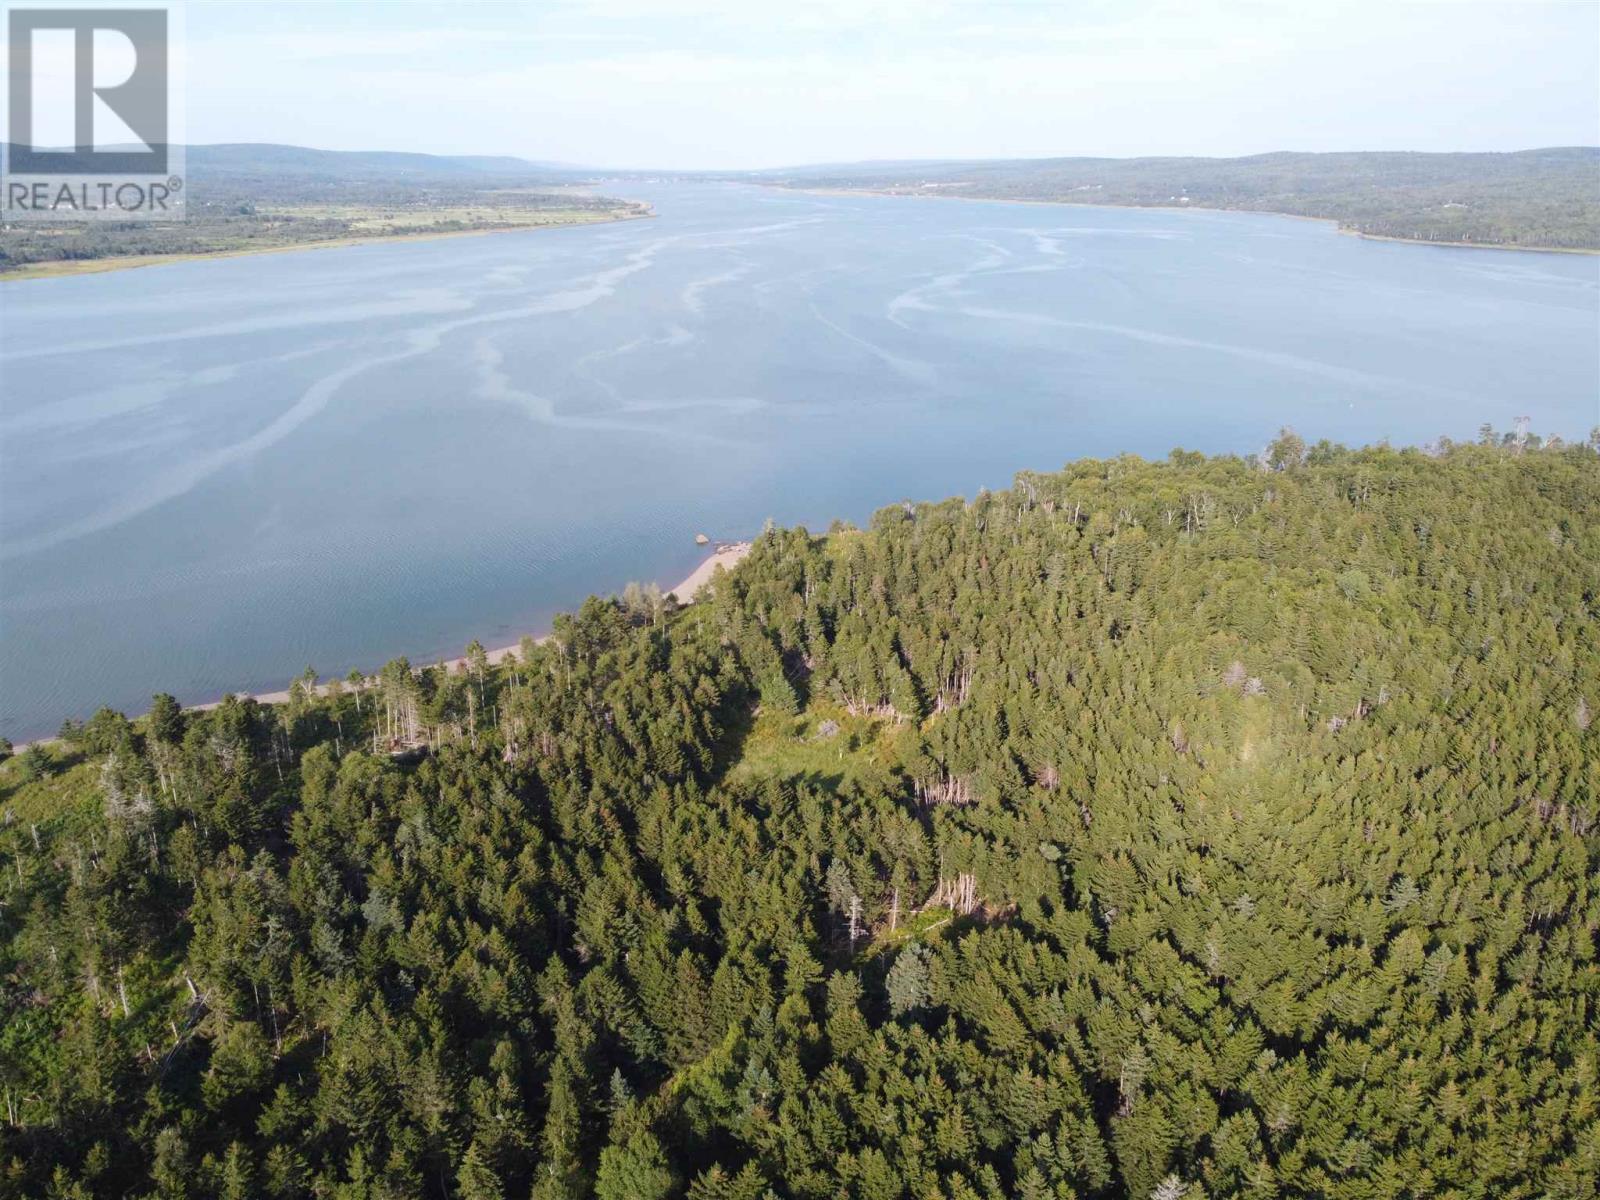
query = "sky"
x=720 y=84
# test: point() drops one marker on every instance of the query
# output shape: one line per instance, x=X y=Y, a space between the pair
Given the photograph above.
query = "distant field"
x=356 y=227
x=359 y=221
x=52 y=252
x=246 y=200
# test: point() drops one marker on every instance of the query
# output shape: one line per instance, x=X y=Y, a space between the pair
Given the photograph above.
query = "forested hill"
x=1533 y=198
x=1187 y=829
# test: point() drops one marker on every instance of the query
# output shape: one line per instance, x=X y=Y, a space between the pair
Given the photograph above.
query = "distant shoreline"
x=1258 y=212
x=1387 y=237
x=61 y=268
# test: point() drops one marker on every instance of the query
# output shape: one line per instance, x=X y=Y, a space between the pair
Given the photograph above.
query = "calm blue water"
x=214 y=474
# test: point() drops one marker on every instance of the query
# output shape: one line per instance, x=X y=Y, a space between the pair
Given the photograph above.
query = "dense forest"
x=1210 y=827
x=1532 y=198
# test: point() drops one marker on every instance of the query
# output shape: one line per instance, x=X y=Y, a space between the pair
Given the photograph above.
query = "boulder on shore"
x=701 y=539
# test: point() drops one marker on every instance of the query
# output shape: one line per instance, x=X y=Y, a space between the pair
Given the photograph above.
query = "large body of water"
x=213 y=474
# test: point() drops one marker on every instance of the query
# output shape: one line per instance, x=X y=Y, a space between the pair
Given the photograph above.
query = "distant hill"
x=1529 y=199
x=240 y=160
x=250 y=158
x=1548 y=198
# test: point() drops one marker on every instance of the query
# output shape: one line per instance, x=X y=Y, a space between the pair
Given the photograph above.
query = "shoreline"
x=66 y=268
x=1258 y=212
x=1404 y=241
x=723 y=554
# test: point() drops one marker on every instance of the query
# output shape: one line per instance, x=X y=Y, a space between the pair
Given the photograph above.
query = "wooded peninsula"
x=1216 y=826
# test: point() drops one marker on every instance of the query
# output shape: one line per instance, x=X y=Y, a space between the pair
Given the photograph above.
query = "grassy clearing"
x=862 y=750
x=864 y=753
x=64 y=789
x=914 y=927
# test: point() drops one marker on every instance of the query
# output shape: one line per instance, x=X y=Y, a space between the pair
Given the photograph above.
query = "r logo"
x=78 y=114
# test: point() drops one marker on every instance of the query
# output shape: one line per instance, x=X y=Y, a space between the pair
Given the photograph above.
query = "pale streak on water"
x=215 y=473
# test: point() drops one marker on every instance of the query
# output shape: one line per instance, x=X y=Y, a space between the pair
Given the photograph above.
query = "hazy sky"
x=715 y=83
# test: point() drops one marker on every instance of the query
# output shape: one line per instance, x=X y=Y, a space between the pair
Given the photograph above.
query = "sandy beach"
x=724 y=555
